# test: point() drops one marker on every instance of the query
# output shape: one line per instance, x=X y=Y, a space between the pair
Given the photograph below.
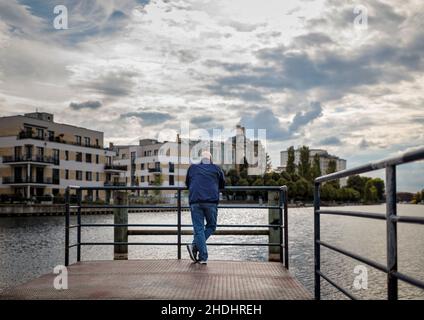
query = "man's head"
x=206 y=157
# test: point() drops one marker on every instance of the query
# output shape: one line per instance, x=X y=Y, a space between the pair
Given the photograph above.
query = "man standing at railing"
x=203 y=181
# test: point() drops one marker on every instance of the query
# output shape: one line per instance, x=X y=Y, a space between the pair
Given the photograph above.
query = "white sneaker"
x=203 y=262
x=191 y=252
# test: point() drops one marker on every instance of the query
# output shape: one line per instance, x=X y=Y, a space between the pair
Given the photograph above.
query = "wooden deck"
x=167 y=279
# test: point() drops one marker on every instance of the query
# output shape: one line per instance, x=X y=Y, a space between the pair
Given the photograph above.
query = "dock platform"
x=167 y=279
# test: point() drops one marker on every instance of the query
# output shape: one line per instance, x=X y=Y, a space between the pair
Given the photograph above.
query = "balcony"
x=30 y=180
x=33 y=159
x=155 y=170
x=114 y=184
x=58 y=139
x=114 y=168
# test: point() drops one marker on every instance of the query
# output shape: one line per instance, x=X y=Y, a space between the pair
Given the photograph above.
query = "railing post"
x=274 y=232
x=391 y=211
x=79 y=195
x=67 y=214
x=121 y=232
x=179 y=223
x=286 y=229
x=280 y=223
x=317 y=252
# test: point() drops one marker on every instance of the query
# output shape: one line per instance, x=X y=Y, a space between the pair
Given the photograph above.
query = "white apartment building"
x=40 y=157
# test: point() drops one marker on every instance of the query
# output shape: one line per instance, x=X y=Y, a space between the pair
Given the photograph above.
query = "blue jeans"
x=200 y=212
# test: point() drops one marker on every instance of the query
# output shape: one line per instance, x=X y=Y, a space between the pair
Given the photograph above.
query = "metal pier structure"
x=176 y=278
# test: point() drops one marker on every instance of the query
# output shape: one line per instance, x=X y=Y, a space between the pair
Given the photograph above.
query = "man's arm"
x=187 y=180
x=221 y=179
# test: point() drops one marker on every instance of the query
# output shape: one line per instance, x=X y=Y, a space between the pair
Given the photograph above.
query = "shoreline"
x=10 y=211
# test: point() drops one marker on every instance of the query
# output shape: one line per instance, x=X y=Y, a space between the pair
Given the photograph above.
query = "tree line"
x=299 y=178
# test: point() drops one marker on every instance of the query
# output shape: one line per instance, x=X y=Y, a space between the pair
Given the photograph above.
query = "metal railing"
x=31 y=158
x=281 y=224
x=29 y=180
x=391 y=218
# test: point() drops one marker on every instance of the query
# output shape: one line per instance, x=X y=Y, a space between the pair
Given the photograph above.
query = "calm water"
x=30 y=247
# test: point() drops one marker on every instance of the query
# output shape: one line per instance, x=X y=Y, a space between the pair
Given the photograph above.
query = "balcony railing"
x=27 y=180
x=27 y=158
x=114 y=184
x=116 y=167
x=58 y=139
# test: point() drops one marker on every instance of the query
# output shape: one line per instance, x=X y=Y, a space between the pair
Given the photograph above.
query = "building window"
x=56 y=155
x=18 y=152
x=66 y=155
x=40 y=133
x=88 y=176
x=97 y=142
x=97 y=176
x=155 y=152
x=78 y=175
x=97 y=159
x=142 y=166
x=142 y=178
x=51 y=135
x=67 y=174
x=171 y=167
x=40 y=153
x=87 y=141
x=78 y=156
x=171 y=180
x=88 y=157
x=78 y=140
x=56 y=176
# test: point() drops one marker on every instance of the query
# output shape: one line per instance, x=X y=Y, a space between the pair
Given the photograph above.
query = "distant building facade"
x=40 y=157
x=324 y=157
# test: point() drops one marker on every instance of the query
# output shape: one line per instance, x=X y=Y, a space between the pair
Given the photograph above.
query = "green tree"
x=304 y=167
x=358 y=183
x=328 y=192
x=379 y=185
x=316 y=168
x=370 y=192
x=290 y=167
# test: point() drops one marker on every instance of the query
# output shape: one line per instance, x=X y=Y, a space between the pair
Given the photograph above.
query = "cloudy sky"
x=310 y=72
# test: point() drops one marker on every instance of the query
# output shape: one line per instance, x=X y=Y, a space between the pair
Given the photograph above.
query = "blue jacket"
x=204 y=181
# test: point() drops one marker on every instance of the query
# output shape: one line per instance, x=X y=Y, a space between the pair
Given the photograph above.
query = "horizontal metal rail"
x=165 y=232
x=344 y=291
x=242 y=244
x=93 y=225
x=354 y=214
x=129 y=188
x=390 y=217
x=408 y=219
x=168 y=207
x=402 y=159
x=282 y=222
x=408 y=279
x=367 y=261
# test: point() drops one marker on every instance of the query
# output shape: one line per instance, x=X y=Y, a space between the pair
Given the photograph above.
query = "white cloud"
x=217 y=61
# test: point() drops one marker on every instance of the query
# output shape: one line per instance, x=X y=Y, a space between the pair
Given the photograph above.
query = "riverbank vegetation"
x=299 y=178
